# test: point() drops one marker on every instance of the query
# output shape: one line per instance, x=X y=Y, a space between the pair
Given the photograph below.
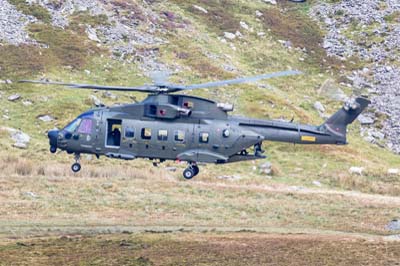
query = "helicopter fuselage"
x=187 y=128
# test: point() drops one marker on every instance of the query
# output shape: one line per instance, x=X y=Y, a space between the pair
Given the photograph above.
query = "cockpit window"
x=85 y=126
x=73 y=125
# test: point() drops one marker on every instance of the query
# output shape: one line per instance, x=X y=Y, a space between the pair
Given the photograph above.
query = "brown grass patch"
x=201 y=249
x=221 y=13
x=302 y=32
x=21 y=61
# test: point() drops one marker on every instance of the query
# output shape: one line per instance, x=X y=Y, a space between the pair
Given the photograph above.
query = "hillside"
x=344 y=49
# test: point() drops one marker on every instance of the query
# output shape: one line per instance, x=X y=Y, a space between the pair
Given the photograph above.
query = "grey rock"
x=96 y=101
x=317 y=183
x=229 y=35
x=20 y=145
x=356 y=170
x=27 y=103
x=30 y=195
x=46 y=118
x=272 y=2
x=92 y=35
x=12 y=25
x=393 y=171
x=110 y=95
x=14 y=97
x=319 y=107
x=21 y=139
x=381 y=78
x=265 y=168
x=202 y=9
x=393 y=225
x=365 y=120
x=244 y=25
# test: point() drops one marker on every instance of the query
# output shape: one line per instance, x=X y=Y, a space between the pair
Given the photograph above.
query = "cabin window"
x=163 y=134
x=179 y=135
x=129 y=132
x=146 y=133
x=86 y=126
x=204 y=137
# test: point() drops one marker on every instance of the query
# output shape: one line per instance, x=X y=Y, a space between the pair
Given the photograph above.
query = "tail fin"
x=337 y=123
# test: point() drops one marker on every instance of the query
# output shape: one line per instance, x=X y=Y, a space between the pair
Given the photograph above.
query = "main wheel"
x=76 y=167
x=196 y=169
x=188 y=173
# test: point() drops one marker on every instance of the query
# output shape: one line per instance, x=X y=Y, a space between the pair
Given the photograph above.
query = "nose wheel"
x=76 y=167
x=191 y=171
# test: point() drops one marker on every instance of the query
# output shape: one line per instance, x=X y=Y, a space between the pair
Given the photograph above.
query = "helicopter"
x=180 y=127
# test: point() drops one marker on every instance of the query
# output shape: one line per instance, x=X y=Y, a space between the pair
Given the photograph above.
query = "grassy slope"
x=134 y=197
x=191 y=48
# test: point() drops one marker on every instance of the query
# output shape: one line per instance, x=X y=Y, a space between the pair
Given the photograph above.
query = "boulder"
x=96 y=101
x=244 y=25
x=272 y=2
x=201 y=9
x=21 y=139
x=365 y=120
x=14 y=97
x=319 y=107
x=265 y=168
x=27 y=103
x=229 y=35
x=393 y=171
x=356 y=170
x=108 y=94
x=393 y=225
x=46 y=118
x=317 y=183
x=92 y=35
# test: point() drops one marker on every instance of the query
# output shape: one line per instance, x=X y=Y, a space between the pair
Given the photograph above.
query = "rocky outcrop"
x=21 y=139
x=369 y=30
x=12 y=25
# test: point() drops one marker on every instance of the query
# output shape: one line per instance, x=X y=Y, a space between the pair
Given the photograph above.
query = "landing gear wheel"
x=76 y=167
x=53 y=149
x=195 y=169
x=188 y=173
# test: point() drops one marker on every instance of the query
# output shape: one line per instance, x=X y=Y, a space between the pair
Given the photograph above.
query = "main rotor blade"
x=239 y=80
x=145 y=88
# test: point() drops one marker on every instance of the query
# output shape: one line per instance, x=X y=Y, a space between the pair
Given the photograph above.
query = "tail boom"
x=333 y=131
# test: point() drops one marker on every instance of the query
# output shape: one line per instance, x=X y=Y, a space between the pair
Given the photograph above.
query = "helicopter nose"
x=53 y=135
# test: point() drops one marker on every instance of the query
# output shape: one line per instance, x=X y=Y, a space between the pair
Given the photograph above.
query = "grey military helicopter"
x=168 y=126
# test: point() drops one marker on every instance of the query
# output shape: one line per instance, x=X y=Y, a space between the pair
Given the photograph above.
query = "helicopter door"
x=113 y=134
